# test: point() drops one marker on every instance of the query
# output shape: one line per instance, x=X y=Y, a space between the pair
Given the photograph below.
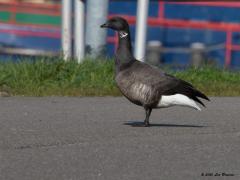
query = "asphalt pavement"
x=99 y=138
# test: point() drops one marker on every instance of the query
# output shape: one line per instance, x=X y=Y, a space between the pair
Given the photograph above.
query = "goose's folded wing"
x=173 y=85
x=164 y=83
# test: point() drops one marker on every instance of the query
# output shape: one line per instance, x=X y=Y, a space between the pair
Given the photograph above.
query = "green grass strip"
x=54 y=77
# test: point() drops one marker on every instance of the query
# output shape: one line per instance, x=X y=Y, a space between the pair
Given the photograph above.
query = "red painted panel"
x=31 y=33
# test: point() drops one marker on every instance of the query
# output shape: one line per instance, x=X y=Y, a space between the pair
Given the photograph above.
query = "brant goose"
x=145 y=85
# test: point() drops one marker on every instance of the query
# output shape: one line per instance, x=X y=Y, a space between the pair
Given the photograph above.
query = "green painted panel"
x=38 y=19
x=4 y=16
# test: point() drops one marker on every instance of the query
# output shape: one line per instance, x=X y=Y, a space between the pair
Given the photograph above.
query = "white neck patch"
x=123 y=34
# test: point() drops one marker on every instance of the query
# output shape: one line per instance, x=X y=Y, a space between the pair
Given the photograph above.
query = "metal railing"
x=162 y=21
x=27 y=52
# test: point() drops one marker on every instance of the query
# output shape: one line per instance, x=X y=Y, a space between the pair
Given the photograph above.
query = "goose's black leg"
x=148 y=113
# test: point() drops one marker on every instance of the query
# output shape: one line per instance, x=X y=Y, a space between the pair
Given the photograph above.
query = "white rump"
x=177 y=99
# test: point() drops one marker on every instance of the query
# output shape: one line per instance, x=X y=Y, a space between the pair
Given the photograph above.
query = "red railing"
x=163 y=21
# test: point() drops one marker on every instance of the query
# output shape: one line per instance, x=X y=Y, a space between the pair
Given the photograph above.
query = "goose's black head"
x=124 y=50
x=117 y=24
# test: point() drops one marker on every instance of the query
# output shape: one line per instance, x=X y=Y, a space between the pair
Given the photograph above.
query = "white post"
x=67 y=28
x=79 y=44
x=97 y=11
x=141 y=30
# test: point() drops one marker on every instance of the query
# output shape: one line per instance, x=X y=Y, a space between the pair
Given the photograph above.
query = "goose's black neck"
x=124 y=40
x=124 y=51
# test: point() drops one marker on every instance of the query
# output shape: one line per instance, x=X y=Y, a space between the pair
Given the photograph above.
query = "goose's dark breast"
x=136 y=91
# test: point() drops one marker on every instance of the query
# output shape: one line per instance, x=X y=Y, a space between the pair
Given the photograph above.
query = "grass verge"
x=48 y=77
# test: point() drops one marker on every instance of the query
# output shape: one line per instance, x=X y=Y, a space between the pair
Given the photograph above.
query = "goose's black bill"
x=105 y=25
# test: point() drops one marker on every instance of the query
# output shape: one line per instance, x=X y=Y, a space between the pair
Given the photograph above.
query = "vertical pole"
x=161 y=10
x=97 y=11
x=228 y=55
x=154 y=49
x=198 y=54
x=67 y=28
x=79 y=44
x=13 y=11
x=141 y=29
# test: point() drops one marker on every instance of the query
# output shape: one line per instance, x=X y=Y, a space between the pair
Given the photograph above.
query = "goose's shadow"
x=141 y=124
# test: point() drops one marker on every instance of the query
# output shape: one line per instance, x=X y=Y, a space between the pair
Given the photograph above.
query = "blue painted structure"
x=170 y=37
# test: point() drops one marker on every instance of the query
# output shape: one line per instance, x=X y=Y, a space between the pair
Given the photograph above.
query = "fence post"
x=97 y=11
x=154 y=49
x=141 y=29
x=198 y=54
x=79 y=44
x=67 y=29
